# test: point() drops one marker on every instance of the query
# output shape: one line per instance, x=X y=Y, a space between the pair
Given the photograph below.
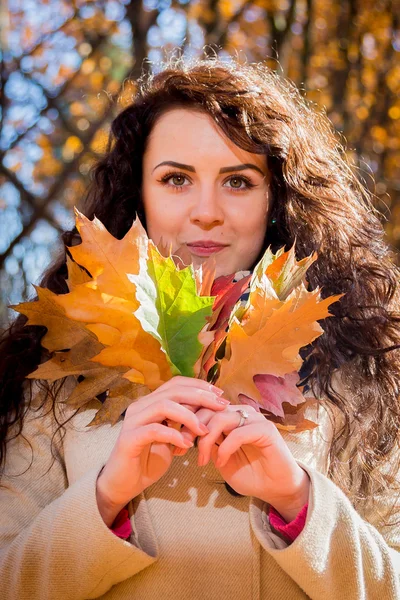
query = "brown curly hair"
x=318 y=204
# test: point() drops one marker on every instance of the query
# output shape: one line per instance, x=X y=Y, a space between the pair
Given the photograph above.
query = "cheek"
x=251 y=234
x=252 y=225
x=159 y=223
x=160 y=217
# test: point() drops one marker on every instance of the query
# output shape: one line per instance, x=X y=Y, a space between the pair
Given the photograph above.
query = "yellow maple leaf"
x=73 y=346
x=115 y=325
x=274 y=347
x=108 y=259
x=76 y=274
x=61 y=333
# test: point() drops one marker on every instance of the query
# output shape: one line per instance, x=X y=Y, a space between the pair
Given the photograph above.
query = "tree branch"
x=280 y=36
x=52 y=102
x=307 y=32
x=40 y=211
x=140 y=22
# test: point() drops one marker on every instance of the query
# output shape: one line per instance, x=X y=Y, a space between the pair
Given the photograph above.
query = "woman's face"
x=203 y=191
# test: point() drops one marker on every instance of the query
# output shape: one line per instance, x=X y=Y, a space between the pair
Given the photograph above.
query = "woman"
x=225 y=160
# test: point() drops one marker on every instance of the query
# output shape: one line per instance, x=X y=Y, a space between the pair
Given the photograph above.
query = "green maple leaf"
x=171 y=309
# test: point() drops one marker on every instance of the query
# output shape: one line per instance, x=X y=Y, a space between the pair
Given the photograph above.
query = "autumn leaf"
x=285 y=273
x=73 y=361
x=130 y=321
x=274 y=348
x=277 y=390
x=294 y=420
x=266 y=333
x=289 y=403
x=121 y=395
x=227 y=291
x=171 y=309
x=114 y=323
x=74 y=347
x=108 y=259
x=62 y=333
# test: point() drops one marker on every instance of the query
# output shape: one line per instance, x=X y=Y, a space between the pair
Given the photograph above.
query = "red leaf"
x=274 y=391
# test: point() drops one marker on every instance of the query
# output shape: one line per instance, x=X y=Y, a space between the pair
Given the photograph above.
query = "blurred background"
x=68 y=67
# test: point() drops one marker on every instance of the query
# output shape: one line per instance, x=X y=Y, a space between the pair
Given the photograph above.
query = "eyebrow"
x=241 y=167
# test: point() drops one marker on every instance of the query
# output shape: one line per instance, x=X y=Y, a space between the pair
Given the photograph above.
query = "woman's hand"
x=253 y=459
x=143 y=451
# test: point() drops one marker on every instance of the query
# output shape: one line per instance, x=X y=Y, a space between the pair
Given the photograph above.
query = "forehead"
x=180 y=130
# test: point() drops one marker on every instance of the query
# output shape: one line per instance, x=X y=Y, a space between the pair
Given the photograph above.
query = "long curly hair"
x=318 y=204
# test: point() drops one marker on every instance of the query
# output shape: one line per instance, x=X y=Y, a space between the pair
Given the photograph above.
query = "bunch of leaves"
x=135 y=316
x=254 y=356
x=131 y=320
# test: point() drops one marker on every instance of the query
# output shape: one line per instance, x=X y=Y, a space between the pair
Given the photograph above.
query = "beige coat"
x=192 y=539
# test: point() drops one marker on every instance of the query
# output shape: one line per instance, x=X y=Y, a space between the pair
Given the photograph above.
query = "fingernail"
x=188 y=444
x=201 y=459
x=216 y=390
x=179 y=451
x=203 y=428
x=224 y=402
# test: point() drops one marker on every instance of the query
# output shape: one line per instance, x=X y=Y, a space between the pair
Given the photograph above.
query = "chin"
x=222 y=271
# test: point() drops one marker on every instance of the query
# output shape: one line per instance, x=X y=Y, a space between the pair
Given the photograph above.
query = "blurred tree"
x=66 y=68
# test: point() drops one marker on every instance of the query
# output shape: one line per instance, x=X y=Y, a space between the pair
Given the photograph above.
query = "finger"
x=193 y=396
x=188 y=434
x=152 y=433
x=167 y=410
x=204 y=415
x=192 y=382
x=257 y=434
x=221 y=423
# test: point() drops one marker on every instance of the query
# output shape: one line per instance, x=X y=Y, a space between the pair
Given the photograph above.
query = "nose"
x=207 y=211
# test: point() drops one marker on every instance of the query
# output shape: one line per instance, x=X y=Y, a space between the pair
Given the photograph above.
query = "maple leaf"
x=120 y=395
x=95 y=332
x=97 y=378
x=273 y=349
x=285 y=273
x=266 y=333
x=227 y=293
x=277 y=390
x=62 y=333
x=294 y=420
x=108 y=259
x=281 y=271
x=113 y=322
x=72 y=346
x=171 y=309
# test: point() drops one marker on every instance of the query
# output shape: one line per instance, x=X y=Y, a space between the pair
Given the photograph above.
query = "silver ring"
x=243 y=416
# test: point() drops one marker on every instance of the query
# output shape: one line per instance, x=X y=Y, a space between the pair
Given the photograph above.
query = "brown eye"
x=236 y=182
x=239 y=183
x=174 y=181
x=178 y=180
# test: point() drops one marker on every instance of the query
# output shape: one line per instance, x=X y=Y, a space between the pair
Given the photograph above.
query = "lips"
x=205 y=248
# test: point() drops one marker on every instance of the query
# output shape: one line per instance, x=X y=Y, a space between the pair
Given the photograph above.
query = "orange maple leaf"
x=273 y=348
